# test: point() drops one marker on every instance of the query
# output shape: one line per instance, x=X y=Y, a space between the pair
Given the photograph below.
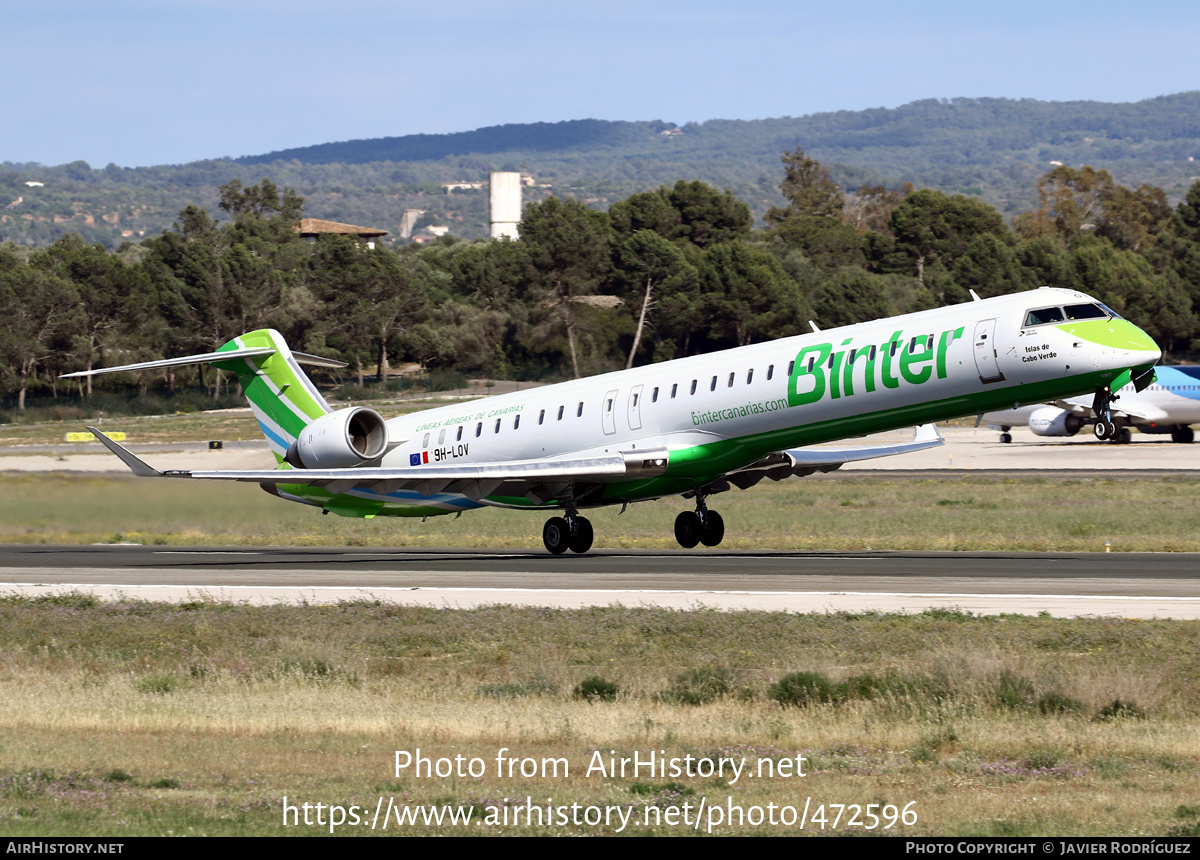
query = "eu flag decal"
x=414 y=459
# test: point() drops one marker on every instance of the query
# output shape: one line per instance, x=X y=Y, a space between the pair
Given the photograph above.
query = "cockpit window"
x=1111 y=312
x=1043 y=315
x=1085 y=312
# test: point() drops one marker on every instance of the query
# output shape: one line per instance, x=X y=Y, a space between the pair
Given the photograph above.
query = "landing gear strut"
x=571 y=532
x=699 y=526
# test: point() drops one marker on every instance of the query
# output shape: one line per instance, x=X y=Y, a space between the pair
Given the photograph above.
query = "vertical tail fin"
x=283 y=398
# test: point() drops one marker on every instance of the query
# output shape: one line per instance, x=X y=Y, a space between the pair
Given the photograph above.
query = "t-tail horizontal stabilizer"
x=184 y=361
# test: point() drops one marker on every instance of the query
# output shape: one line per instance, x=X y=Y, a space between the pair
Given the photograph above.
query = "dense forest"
x=676 y=270
x=990 y=149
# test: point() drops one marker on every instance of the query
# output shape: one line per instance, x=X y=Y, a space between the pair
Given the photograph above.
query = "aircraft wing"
x=926 y=436
x=805 y=461
x=475 y=481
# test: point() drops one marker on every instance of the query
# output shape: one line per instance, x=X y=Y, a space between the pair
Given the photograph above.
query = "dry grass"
x=144 y=718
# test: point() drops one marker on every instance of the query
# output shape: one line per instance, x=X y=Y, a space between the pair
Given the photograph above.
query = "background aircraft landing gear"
x=699 y=526
x=1006 y=438
x=1123 y=436
x=571 y=532
x=1183 y=434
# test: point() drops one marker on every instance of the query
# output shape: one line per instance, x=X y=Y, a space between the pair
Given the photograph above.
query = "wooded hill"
x=992 y=149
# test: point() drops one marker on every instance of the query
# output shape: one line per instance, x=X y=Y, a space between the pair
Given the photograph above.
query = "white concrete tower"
x=504 y=196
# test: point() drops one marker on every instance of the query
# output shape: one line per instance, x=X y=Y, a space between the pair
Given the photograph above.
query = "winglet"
x=138 y=466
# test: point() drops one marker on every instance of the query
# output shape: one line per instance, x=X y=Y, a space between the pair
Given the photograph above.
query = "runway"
x=1131 y=585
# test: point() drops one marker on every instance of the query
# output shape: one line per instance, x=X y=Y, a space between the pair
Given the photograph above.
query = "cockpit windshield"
x=1088 y=311
x=1085 y=312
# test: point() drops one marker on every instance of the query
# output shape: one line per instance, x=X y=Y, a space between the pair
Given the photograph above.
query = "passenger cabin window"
x=693 y=386
x=749 y=376
x=791 y=366
x=541 y=417
x=516 y=421
x=635 y=400
x=674 y=388
x=560 y=412
x=478 y=428
x=458 y=438
x=1042 y=316
x=425 y=441
x=1085 y=312
x=712 y=386
x=579 y=411
x=730 y=385
x=608 y=405
x=442 y=436
x=654 y=395
x=770 y=371
x=496 y=429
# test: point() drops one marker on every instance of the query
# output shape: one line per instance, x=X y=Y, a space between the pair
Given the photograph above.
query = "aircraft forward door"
x=608 y=412
x=986 y=353
x=635 y=408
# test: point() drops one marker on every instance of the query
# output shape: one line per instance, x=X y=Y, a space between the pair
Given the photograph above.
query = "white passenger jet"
x=692 y=427
x=1170 y=405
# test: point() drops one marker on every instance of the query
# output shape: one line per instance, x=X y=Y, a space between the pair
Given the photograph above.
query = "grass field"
x=136 y=718
x=845 y=512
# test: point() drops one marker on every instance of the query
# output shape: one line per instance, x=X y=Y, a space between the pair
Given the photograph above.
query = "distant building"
x=408 y=221
x=311 y=228
x=34 y=184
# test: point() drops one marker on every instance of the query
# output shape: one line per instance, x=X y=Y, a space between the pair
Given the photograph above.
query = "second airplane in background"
x=1169 y=405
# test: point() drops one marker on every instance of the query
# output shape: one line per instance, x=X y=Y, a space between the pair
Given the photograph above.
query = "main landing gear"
x=571 y=532
x=699 y=526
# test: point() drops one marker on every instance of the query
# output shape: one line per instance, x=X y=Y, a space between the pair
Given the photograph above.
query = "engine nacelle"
x=340 y=440
x=1052 y=421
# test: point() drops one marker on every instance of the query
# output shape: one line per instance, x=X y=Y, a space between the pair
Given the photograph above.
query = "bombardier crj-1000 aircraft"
x=692 y=427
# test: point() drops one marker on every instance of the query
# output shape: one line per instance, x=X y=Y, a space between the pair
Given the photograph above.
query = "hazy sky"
x=137 y=82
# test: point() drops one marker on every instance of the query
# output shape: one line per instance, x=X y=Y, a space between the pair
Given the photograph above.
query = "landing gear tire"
x=1123 y=436
x=712 y=529
x=1005 y=438
x=688 y=529
x=581 y=540
x=1104 y=429
x=556 y=535
x=1183 y=435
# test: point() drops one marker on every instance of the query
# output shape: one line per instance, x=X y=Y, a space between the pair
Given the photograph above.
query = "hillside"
x=991 y=148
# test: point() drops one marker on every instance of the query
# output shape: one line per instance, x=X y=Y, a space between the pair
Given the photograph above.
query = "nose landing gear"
x=1105 y=427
